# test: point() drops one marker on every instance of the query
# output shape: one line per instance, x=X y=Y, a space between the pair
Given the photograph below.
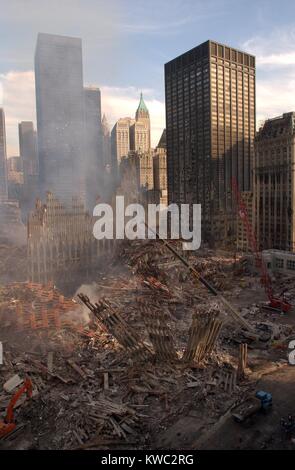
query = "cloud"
x=156 y=28
x=275 y=97
x=17 y=97
x=277 y=59
x=275 y=77
x=277 y=42
x=169 y=18
x=276 y=49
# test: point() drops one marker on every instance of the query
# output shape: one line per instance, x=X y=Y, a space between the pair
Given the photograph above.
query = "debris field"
x=140 y=350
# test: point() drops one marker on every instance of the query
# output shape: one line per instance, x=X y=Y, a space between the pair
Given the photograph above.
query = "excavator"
x=9 y=424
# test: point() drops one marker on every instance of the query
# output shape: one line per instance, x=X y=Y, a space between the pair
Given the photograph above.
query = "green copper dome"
x=142 y=106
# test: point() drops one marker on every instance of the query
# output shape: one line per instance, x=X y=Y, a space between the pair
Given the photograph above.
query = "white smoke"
x=82 y=315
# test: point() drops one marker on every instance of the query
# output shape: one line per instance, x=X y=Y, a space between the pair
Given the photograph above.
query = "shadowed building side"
x=93 y=157
x=3 y=160
x=60 y=115
x=274 y=183
x=29 y=162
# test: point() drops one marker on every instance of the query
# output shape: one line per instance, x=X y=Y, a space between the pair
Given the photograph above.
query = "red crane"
x=274 y=302
x=9 y=425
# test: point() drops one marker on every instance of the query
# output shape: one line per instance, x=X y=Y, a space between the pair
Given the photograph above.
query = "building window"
x=279 y=263
x=213 y=48
x=291 y=264
x=220 y=51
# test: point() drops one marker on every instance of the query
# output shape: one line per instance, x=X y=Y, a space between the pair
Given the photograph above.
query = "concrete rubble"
x=141 y=349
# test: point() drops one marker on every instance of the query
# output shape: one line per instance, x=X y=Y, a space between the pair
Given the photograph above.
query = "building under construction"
x=61 y=245
x=274 y=185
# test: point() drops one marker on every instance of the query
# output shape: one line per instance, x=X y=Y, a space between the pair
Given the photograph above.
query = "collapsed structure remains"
x=61 y=245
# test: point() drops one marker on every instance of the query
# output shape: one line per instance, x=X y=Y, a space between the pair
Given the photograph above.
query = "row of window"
x=291 y=264
x=279 y=263
x=227 y=53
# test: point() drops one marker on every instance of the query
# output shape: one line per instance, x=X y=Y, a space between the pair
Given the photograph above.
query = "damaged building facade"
x=61 y=245
x=274 y=185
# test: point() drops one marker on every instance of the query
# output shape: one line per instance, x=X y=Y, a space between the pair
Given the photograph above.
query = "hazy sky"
x=127 y=42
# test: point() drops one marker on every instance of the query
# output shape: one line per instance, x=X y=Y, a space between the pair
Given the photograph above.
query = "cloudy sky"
x=127 y=42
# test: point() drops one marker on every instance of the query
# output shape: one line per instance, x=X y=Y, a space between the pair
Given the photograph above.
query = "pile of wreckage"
x=118 y=364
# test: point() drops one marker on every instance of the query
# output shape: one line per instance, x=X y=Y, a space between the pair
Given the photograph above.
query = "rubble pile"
x=129 y=356
x=31 y=305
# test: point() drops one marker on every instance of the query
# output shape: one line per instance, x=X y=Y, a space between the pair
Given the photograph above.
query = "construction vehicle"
x=275 y=303
x=262 y=401
x=9 y=424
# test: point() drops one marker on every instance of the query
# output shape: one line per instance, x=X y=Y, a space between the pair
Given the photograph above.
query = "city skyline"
x=113 y=48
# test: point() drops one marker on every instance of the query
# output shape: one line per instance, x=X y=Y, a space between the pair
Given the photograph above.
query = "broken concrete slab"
x=12 y=383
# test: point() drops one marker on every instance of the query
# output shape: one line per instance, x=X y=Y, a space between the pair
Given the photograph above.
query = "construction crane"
x=274 y=301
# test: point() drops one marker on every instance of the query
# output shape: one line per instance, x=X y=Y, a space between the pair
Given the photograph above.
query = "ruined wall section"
x=61 y=245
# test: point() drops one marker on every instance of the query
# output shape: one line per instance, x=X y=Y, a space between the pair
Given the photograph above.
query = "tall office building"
x=140 y=130
x=274 y=183
x=60 y=115
x=14 y=165
x=30 y=167
x=160 y=168
x=93 y=158
x=132 y=134
x=106 y=142
x=3 y=159
x=120 y=138
x=136 y=177
x=110 y=166
x=210 y=119
x=28 y=149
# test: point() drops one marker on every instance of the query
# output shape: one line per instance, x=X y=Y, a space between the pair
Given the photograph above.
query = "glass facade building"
x=210 y=119
x=60 y=115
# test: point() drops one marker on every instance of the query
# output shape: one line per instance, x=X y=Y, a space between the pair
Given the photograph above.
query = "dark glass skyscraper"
x=60 y=115
x=210 y=119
